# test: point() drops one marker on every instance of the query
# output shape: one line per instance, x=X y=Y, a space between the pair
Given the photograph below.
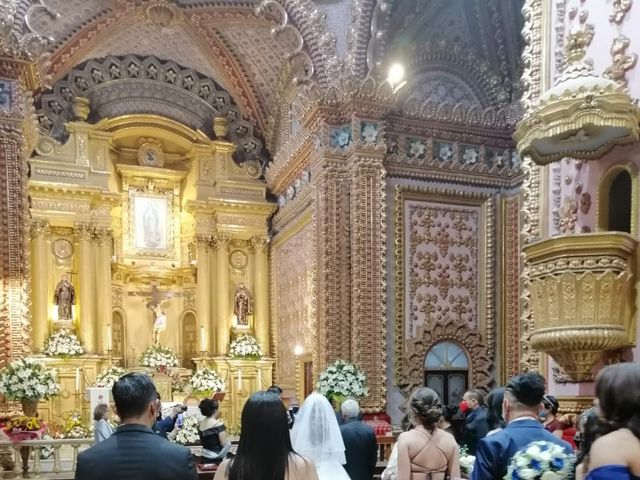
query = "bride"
x=316 y=435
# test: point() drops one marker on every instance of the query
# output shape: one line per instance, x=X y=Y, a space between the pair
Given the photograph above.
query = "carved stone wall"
x=292 y=299
x=445 y=257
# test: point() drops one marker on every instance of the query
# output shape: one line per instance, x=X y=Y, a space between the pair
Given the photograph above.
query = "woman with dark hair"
x=445 y=423
x=212 y=432
x=494 y=410
x=264 y=451
x=616 y=454
x=587 y=432
x=427 y=452
x=548 y=413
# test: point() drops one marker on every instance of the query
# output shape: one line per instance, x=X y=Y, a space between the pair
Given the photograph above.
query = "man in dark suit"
x=134 y=451
x=520 y=407
x=361 y=448
x=475 y=426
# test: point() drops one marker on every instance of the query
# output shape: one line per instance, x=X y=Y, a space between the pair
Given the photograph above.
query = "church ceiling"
x=486 y=34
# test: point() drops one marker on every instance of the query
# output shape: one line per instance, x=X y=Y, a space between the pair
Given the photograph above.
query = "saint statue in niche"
x=151 y=226
x=242 y=305
x=159 y=317
x=64 y=296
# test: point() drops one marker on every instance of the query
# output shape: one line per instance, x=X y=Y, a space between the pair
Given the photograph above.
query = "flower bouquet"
x=110 y=376
x=74 y=428
x=63 y=343
x=188 y=434
x=466 y=462
x=21 y=428
x=540 y=461
x=160 y=359
x=27 y=379
x=245 y=346
x=205 y=382
x=341 y=380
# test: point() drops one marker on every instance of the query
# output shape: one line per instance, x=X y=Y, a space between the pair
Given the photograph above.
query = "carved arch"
x=118 y=85
x=480 y=364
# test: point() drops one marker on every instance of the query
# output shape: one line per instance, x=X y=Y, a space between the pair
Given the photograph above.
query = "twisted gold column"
x=223 y=321
x=204 y=291
x=39 y=278
x=103 y=288
x=261 y=295
x=85 y=287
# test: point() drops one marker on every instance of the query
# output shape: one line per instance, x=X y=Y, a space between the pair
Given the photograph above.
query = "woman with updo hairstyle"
x=615 y=455
x=427 y=452
x=212 y=432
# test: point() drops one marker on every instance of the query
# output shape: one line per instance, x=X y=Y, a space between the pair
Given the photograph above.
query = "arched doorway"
x=446 y=370
x=189 y=339
x=117 y=334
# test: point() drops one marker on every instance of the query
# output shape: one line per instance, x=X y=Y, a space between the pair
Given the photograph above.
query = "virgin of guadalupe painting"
x=150 y=215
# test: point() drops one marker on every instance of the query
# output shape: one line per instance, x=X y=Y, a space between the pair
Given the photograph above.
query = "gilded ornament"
x=238 y=260
x=622 y=61
x=580 y=290
x=62 y=248
x=620 y=9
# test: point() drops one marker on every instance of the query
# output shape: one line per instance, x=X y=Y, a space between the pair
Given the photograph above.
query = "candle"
x=109 y=337
x=239 y=379
x=259 y=379
x=77 y=379
x=202 y=346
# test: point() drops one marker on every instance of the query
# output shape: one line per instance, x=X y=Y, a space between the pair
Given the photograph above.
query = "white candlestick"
x=259 y=379
x=239 y=379
x=109 y=345
x=77 y=379
x=202 y=346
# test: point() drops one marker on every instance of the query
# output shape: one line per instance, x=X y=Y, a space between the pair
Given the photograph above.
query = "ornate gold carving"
x=622 y=61
x=510 y=332
x=580 y=289
x=476 y=234
x=238 y=260
x=619 y=10
x=575 y=405
x=39 y=227
x=259 y=243
x=80 y=108
x=62 y=248
x=368 y=275
x=412 y=366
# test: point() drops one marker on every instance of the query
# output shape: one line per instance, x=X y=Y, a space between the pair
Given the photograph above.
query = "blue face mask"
x=542 y=414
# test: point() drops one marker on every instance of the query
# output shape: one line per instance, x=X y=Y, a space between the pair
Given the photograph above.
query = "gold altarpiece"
x=137 y=211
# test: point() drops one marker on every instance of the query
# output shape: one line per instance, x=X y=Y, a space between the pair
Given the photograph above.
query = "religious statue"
x=242 y=305
x=64 y=296
x=159 y=321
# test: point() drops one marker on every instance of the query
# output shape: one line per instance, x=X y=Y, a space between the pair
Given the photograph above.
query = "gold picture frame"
x=151 y=229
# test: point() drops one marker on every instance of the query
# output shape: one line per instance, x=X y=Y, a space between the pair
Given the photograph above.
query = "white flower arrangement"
x=28 y=379
x=188 y=434
x=540 y=461
x=466 y=461
x=206 y=381
x=159 y=358
x=110 y=376
x=245 y=346
x=62 y=343
x=342 y=379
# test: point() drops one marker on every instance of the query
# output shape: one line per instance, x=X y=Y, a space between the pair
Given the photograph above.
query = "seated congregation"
x=515 y=434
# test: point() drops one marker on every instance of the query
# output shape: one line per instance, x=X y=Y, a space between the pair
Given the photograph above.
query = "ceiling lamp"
x=583 y=116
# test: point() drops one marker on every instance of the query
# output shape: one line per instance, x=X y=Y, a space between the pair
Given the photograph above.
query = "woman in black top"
x=212 y=432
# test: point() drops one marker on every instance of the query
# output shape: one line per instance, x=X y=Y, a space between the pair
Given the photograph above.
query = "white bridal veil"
x=316 y=433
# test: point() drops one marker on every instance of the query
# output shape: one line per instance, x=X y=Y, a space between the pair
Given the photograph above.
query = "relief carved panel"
x=293 y=299
x=444 y=266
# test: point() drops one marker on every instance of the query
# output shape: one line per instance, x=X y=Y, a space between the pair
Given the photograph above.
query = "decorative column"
x=39 y=284
x=331 y=218
x=368 y=272
x=85 y=286
x=204 y=292
x=222 y=320
x=261 y=293
x=103 y=288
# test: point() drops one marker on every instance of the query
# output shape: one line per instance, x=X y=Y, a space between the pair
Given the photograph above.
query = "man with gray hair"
x=361 y=449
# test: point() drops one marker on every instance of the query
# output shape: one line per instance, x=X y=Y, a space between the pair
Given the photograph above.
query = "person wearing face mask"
x=520 y=409
x=548 y=413
x=475 y=425
x=134 y=451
